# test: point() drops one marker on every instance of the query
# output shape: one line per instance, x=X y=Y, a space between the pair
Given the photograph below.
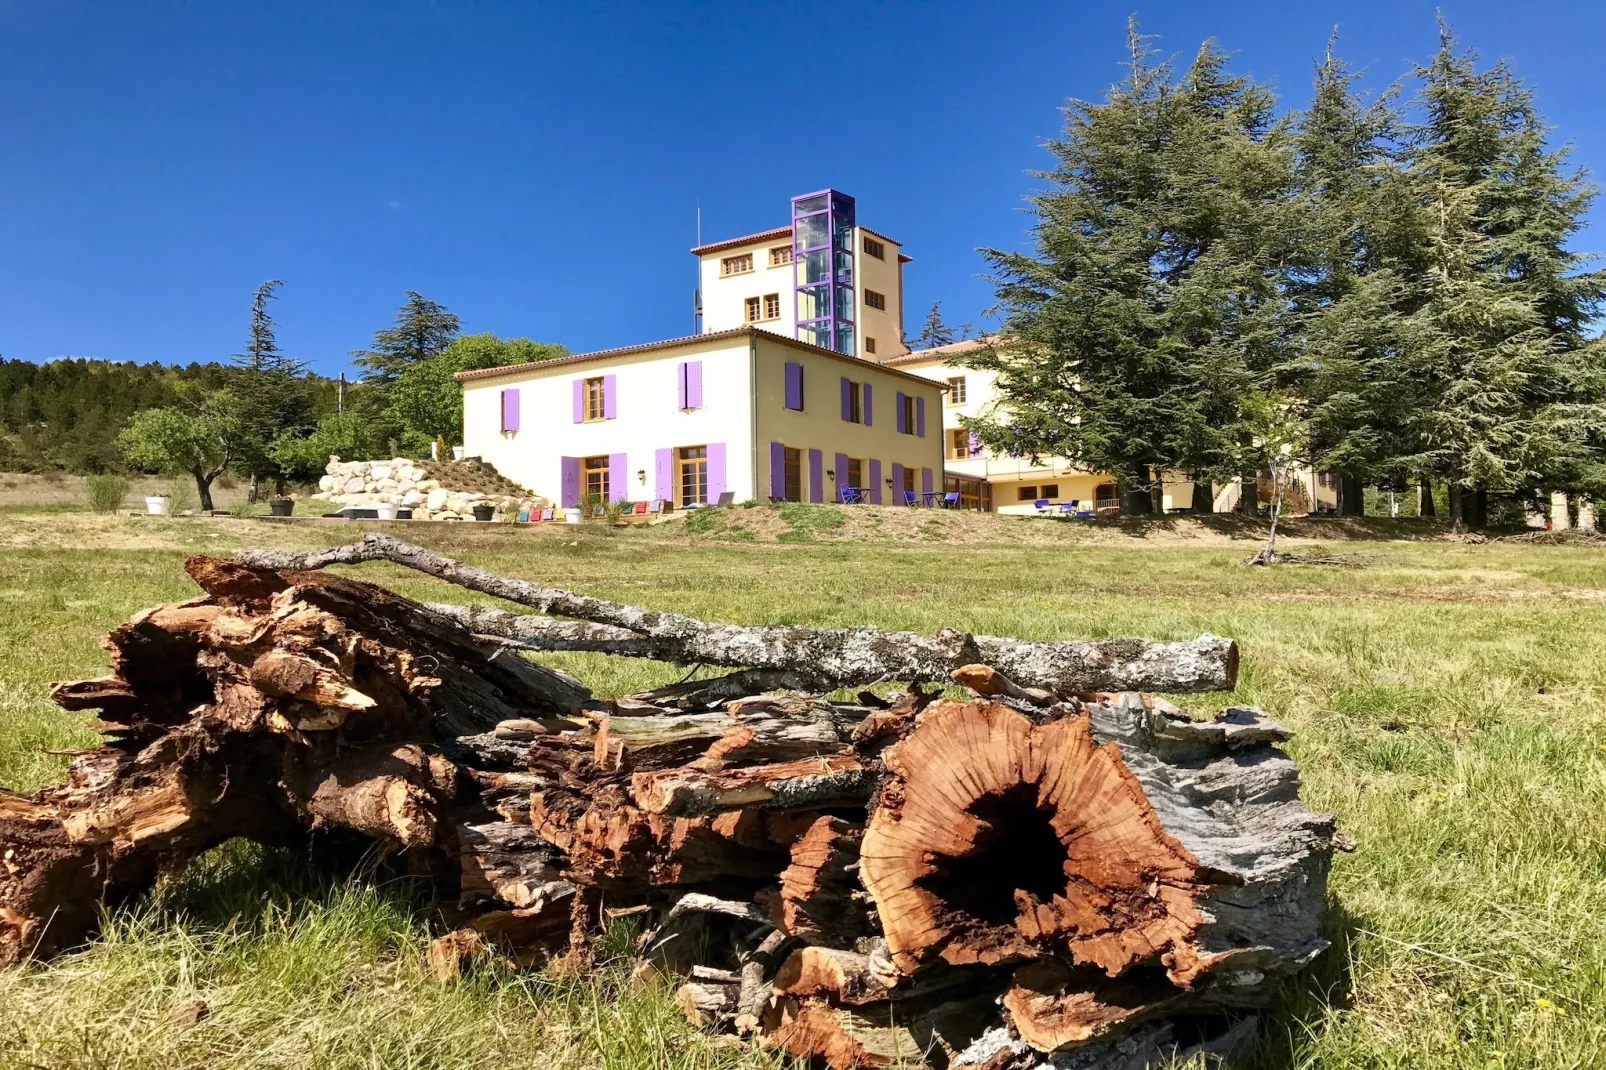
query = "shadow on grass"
x=1290 y=1028
x=239 y=881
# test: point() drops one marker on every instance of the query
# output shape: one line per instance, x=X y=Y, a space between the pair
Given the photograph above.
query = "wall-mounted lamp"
x=830 y=473
x=889 y=482
x=641 y=475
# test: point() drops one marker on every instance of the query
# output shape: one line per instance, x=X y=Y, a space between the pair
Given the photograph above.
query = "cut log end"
x=996 y=839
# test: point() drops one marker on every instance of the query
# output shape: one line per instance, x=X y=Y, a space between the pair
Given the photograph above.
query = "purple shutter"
x=610 y=396
x=925 y=481
x=816 y=476
x=897 y=483
x=716 y=470
x=680 y=384
x=664 y=475
x=777 y=469
x=866 y=410
x=875 y=482
x=510 y=410
x=847 y=398
x=897 y=408
x=920 y=417
x=618 y=477
x=579 y=401
x=794 y=385
x=841 y=474
x=694 y=384
x=569 y=492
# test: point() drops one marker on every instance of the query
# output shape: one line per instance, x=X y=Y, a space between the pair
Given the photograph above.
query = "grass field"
x=1448 y=700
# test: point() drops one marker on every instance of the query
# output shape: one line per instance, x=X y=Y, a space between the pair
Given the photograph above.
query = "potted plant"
x=283 y=505
x=385 y=510
x=484 y=511
x=158 y=504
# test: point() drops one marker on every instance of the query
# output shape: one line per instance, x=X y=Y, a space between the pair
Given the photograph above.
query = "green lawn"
x=1448 y=700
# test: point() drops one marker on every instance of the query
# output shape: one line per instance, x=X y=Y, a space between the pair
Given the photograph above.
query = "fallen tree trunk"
x=861 y=883
x=829 y=658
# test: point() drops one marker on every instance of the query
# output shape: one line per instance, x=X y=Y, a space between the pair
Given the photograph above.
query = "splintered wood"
x=1059 y=864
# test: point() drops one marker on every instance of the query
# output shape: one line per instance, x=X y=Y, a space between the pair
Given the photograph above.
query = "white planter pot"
x=457 y=453
x=157 y=504
x=571 y=516
x=386 y=510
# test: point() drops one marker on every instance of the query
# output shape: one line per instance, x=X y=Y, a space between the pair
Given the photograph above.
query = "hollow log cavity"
x=995 y=839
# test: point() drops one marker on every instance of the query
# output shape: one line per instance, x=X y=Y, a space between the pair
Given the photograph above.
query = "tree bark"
x=1136 y=498
x=1351 y=495
x=1249 y=493
x=1479 y=512
x=827 y=658
x=1457 y=507
x=1204 y=497
x=203 y=488
x=1425 y=505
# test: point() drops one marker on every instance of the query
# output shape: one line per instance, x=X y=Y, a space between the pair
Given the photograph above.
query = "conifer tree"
x=1356 y=245
x=1499 y=336
x=1148 y=308
x=423 y=328
x=270 y=396
x=934 y=332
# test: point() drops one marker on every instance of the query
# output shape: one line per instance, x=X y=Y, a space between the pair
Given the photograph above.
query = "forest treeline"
x=262 y=414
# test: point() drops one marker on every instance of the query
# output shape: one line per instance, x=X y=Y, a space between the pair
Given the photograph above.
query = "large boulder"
x=437 y=499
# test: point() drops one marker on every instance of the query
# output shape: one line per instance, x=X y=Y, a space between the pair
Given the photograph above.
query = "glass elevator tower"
x=822 y=258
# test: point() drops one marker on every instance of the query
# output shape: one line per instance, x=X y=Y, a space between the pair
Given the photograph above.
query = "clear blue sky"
x=535 y=166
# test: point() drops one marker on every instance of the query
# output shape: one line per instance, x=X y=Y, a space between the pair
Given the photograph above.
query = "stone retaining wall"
x=400 y=481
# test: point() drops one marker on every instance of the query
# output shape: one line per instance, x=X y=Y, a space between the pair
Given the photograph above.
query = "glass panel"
x=813 y=267
x=811 y=302
x=844 y=338
x=844 y=267
x=842 y=205
x=843 y=233
x=812 y=232
x=844 y=304
x=815 y=334
x=812 y=204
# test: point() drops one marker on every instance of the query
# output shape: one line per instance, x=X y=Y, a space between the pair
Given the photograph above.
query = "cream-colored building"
x=727 y=416
x=771 y=399
x=765 y=280
x=1016 y=485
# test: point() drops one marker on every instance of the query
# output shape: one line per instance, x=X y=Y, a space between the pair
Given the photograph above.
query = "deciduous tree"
x=201 y=439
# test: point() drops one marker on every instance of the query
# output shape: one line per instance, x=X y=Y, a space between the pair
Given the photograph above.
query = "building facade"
x=797 y=386
x=822 y=279
x=727 y=416
x=1017 y=485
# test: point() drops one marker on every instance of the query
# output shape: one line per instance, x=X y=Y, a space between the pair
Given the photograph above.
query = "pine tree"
x=423 y=328
x=1148 y=309
x=271 y=398
x=1355 y=245
x=1499 y=337
x=935 y=332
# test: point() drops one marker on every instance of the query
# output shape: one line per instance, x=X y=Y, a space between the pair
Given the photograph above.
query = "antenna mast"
x=697 y=292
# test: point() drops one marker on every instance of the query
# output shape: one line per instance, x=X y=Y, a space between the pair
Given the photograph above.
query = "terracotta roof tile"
x=673 y=343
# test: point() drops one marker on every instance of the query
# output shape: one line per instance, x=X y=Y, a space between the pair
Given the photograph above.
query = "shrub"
x=181 y=493
x=702 y=521
x=105 y=493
